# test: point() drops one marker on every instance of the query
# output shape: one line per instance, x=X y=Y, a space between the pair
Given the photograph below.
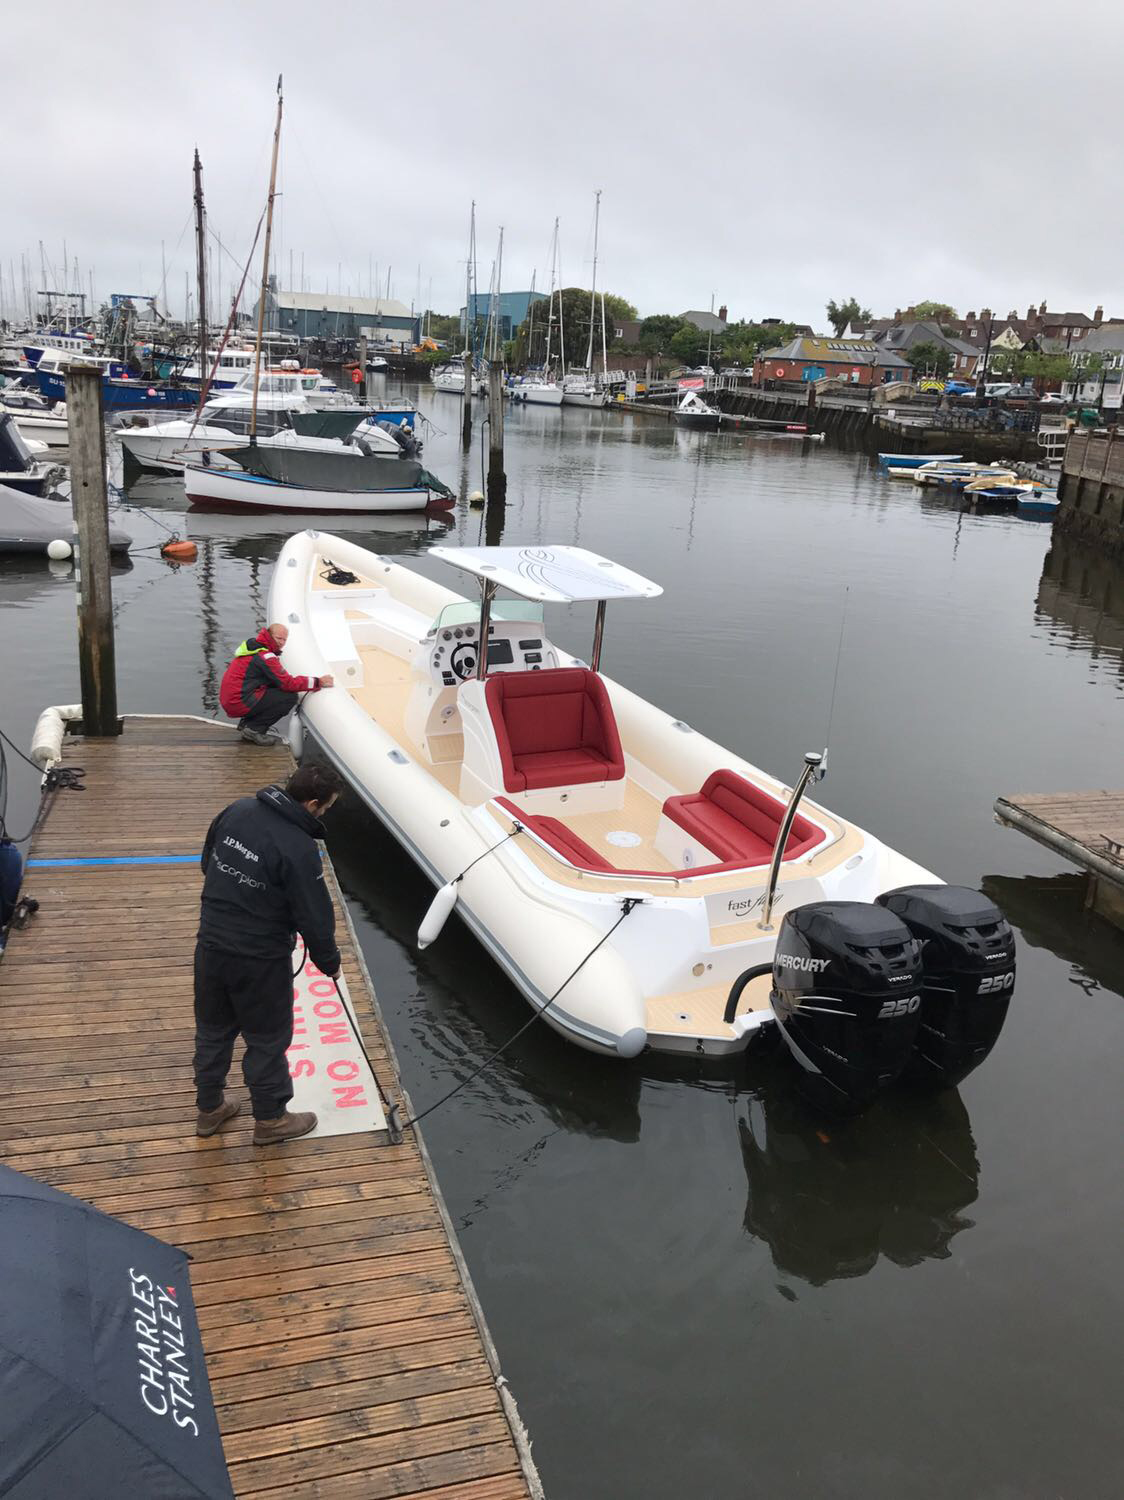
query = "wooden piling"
x=497 y=479
x=466 y=409
x=96 y=656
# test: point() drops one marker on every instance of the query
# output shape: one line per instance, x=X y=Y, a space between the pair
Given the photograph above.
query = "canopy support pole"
x=598 y=636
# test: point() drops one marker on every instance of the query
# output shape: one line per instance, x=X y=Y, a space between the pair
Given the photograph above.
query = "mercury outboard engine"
x=847 y=998
x=403 y=436
x=968 y=976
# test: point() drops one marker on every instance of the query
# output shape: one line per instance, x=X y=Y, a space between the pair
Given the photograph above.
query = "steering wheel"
x=463 y=660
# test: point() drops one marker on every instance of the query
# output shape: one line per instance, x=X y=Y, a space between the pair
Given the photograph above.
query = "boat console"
x=452 y=646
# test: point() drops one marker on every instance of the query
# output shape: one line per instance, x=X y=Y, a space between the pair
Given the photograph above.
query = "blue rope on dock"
x=123 y=859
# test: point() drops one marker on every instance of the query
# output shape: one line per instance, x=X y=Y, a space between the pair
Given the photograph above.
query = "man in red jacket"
x=256 y=689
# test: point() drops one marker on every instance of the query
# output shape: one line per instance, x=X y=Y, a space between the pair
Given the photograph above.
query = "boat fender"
x=59 y=550
x=46 y=741
x=438 y=914
x=633 y=1042
x=296 y=736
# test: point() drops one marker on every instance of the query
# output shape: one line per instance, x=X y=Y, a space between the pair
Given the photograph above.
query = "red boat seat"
x=738 y=821
x=553 y=728
x=560 y=838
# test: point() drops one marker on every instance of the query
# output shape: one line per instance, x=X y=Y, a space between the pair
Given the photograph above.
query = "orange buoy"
x=181 y=552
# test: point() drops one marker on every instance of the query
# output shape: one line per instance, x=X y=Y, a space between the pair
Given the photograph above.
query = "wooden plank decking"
x=347 y=1354
x=1086 y=828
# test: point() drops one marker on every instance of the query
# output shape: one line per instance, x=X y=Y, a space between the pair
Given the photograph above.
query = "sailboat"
x=535 y=388
x=291 y=471
x=579 y=387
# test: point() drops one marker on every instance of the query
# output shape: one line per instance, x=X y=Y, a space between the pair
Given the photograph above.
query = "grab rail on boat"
x=813 y=766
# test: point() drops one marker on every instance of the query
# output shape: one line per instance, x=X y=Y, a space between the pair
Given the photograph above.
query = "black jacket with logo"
x=264 y=881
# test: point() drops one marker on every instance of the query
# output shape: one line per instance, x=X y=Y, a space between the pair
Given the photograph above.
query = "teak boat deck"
x=346 y=1351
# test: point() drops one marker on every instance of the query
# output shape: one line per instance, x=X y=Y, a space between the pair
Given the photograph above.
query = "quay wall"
x=1091 y=488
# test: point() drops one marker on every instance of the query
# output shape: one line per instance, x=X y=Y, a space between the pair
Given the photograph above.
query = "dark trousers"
x=273 y=704
x=251 y=997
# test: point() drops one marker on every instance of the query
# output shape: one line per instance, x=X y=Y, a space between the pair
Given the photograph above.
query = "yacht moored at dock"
x=627 y=873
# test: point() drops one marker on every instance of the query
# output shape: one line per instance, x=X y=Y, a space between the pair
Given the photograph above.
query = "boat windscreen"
x=522 y=610
x=15 y=455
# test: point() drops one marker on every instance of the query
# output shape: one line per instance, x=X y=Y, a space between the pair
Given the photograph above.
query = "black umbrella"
x=103 y=1389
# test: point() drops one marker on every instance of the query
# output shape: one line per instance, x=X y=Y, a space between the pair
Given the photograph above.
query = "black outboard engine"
x=968 y=976
x=847 y=998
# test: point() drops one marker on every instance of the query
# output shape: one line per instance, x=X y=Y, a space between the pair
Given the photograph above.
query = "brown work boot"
x=286 y=1127
x=207 y=1121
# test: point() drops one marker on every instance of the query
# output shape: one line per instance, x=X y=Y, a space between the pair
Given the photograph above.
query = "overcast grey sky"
x=774 y=155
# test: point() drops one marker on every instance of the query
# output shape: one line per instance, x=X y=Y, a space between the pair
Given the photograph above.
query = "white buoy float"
x=58 y=550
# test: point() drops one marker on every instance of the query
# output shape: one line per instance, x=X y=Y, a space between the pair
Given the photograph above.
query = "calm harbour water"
x=695 y=1286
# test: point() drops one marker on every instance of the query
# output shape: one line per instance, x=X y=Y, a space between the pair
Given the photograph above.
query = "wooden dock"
x=347 y=1352
x=1086 y=828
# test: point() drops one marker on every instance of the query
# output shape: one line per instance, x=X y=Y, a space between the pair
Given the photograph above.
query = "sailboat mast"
x=201 y=273
x=550 y=307
x=265 y=265
x=497 y=332
x=593 y=290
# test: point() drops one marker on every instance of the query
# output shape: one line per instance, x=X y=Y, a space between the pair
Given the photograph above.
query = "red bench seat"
x=553 y=728
x=738 y=822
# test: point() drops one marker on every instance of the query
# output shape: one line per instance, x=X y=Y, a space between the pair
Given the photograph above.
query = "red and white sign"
x=326 y=1063
x=692 y=383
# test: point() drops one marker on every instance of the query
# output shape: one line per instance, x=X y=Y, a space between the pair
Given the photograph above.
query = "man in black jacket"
x=263 y=883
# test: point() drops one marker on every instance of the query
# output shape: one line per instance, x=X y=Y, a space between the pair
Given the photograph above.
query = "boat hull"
x=214 y=487
x=700 y=421
x=584 y=398
x=124 y=395
x=540 y=396
x=542 y=925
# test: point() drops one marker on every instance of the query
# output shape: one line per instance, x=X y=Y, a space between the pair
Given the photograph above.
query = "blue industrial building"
x=326 y=315
x=514 y=307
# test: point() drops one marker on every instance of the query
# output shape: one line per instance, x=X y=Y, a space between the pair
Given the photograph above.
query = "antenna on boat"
x=835 y=677
x=265 y=265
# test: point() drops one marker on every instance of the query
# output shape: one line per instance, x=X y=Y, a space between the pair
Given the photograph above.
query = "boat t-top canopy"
x=553 y=575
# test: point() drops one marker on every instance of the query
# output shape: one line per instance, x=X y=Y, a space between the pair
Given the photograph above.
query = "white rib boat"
x=626 y=872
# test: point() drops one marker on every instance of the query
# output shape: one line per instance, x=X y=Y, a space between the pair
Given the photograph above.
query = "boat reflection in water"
x=831 y=1201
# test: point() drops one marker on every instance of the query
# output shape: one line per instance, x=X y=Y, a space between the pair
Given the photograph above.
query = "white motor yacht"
x=644 y=887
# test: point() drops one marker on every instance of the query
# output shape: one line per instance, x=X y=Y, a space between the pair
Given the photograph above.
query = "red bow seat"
x=739 y=822
x=553 y=728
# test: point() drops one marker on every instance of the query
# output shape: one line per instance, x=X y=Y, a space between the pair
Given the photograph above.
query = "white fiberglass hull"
x=167 y=446
x=47 y=428
x=535 y=395
x=584 y=398
x=662 y=978
x=229 y=487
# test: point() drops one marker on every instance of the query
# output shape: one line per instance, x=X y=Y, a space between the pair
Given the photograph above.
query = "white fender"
x=46 y=742
x=438 y=914
x=296 y=736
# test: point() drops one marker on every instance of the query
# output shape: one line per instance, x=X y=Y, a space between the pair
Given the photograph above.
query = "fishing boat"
x=124 y=393
x=915 y=460
x=642 y=886
x=693 y=411
x=228 y=370
x=31 y=524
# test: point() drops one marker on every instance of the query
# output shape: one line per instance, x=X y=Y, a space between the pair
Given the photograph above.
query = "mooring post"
x=497 y=479
x=466 y=410
x=361 y=384
x=96 y=661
